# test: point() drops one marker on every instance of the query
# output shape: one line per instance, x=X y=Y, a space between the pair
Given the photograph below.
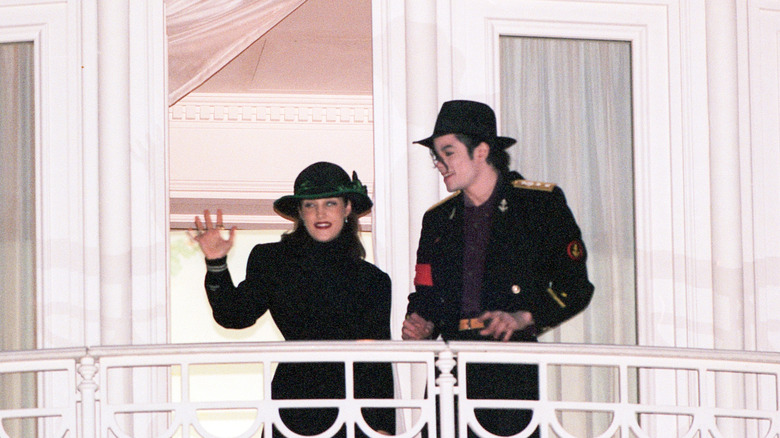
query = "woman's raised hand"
x=209 y=236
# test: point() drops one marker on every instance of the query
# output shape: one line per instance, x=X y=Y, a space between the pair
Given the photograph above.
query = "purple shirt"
x=476 y=234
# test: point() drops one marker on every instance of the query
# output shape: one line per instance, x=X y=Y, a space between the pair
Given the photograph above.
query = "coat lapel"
x=452 y=250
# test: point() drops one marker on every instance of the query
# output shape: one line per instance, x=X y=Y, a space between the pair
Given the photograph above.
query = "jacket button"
x=515 y=289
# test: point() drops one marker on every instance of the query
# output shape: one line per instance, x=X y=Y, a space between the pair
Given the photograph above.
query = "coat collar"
x=452 y=207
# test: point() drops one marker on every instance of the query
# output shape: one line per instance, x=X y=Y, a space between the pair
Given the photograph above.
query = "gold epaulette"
x=444 y=200
x=533 y=185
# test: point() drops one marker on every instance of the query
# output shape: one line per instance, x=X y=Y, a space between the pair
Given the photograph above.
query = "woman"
x=317 y=286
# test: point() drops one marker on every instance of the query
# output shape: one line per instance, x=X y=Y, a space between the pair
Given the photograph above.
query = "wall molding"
x=229 y=189
x=274 y=108
x=251 y=201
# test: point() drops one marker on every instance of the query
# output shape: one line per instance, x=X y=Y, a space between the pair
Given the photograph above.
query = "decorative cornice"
x=202 y=189
x=273 y=108
x=229 y=189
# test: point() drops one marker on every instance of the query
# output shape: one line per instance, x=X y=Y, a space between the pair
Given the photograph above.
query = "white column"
x=114 y=168
x=405 y=108
x=116 y=298
x=728 y=294
x=725 y=175
x=422 y=105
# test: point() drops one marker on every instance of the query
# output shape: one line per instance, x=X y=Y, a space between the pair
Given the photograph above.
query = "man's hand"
x=416 y=328
x=501 y=325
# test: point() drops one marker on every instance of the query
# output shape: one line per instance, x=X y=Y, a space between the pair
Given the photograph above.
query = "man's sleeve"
x=569 y=291
x=422 y=300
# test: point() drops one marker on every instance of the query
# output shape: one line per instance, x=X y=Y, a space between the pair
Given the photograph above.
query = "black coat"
x=314 y=291
x=535 y=258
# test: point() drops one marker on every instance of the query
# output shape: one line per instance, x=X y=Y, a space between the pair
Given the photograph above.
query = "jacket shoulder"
x=524 y=184
x=372 y=270
x=271 y=252
x=444 y=201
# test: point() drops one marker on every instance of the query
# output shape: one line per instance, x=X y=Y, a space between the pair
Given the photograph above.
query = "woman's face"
x=324 y=218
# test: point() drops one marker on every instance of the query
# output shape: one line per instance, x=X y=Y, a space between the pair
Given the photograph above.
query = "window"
x=17 y=214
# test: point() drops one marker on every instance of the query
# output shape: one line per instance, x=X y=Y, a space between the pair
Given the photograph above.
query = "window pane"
x=17 y=190
x=568 y=103
x=17 y=214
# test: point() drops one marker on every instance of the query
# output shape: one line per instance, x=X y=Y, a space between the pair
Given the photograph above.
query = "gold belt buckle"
x=470 y=324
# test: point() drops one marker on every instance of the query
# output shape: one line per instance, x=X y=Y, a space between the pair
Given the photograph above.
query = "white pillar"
x=405 y=108
x=727 y=263
x=116 y=298
x=727 y=252
x=422 y=105
x=114 y=168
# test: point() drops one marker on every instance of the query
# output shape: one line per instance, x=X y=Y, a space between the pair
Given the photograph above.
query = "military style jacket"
x=535 y=258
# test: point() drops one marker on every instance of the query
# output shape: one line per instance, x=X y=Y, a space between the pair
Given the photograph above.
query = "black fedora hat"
x=470 y=118
x=324 y=180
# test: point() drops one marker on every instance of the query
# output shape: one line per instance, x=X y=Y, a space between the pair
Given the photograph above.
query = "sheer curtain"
x=17 y=214
x=203 y=36
x=568 y=103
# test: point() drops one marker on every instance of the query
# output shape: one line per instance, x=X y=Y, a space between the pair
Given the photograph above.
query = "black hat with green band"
x=324 y=180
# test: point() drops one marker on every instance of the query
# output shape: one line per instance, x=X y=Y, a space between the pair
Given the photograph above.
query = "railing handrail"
x=684 y=386
x=274 y=347
x=639 y=351
x=42 y=354
x=434 y=346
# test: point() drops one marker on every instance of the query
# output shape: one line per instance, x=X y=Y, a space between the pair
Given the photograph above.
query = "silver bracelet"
x=216 y=268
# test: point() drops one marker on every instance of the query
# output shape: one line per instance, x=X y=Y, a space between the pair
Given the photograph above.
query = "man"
x=500 y=259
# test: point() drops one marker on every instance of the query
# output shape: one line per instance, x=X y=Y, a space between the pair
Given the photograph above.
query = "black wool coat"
x=535 y=259
x=314 y=291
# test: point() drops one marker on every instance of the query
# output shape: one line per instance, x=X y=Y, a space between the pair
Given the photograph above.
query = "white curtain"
x=568 y=103
x=17 y=190
x=203 y=36
x=17 y=214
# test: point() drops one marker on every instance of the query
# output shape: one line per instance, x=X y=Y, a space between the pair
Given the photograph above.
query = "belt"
x=470 y=324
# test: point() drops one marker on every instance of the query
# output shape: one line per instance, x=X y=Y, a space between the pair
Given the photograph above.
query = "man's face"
x=458 y=169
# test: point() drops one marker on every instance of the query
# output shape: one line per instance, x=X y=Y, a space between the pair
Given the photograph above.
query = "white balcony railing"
x=217 y=390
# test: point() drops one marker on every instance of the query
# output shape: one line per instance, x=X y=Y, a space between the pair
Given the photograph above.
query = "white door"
x=667 y=138
x=664 y=157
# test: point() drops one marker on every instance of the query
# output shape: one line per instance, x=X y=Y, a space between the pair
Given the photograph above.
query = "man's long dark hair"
x=349 y=233
x=497 y=157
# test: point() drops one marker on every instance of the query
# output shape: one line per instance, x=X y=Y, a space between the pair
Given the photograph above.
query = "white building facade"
x=706 y=137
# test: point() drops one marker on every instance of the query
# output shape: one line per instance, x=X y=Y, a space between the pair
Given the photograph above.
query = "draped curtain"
x=568 y=103
x=17 y=214
x=203 y=36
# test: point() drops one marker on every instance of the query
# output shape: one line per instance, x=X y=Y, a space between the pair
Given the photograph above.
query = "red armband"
x=422 y=275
